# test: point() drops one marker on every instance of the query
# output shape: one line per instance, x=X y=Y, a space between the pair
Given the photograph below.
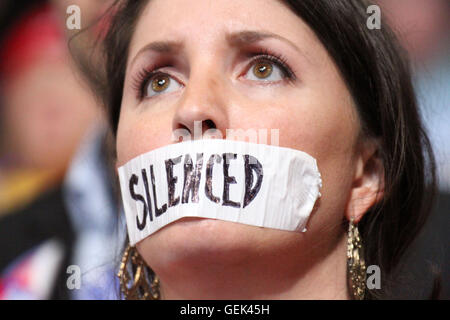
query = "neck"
x=279 y=276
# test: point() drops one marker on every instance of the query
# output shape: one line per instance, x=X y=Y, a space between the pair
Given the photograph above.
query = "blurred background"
x=60 y=218
x=423 y=27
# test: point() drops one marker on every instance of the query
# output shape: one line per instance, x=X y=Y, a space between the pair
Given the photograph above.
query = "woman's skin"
x=211 y=78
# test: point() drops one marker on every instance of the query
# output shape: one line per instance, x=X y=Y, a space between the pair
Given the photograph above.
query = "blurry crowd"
x=61 y=226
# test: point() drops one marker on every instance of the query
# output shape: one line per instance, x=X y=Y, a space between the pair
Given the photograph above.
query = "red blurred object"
x=37 y=34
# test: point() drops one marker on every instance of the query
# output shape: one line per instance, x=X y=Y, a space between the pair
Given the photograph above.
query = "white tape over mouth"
x=249 y=183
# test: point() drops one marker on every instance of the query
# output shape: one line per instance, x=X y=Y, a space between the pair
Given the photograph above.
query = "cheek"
x=140 y=133
x=326 y=127
x=326 y=132
x=331 y=138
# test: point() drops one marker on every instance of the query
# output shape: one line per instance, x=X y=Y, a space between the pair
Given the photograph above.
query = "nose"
x=201 y=112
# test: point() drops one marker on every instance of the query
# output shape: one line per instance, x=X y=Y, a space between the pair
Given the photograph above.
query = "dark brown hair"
x=377 y=74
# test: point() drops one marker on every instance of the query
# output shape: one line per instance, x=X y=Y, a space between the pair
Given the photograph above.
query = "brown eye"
x=262 y=69
x=160 y=83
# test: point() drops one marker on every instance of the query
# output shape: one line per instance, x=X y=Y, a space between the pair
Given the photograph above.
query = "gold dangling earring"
x=133 y=269
x=356 y=266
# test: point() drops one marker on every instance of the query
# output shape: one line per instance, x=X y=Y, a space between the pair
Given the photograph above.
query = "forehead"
x=206 y=22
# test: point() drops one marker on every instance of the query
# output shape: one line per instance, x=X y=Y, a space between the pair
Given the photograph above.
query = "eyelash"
x=145 y=75
x=142 y=79
x=278 y=59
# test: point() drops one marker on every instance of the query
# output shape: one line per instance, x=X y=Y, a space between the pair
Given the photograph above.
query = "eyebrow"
x=247 y=37
x=162 y=47
x=235 y=39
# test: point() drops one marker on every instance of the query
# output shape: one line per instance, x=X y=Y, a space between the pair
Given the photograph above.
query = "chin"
x=200 y=241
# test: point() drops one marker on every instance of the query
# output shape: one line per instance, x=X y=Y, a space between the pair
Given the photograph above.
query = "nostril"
x=210 y=131
x=210 y=124
x=181 y=133
x=183 y=127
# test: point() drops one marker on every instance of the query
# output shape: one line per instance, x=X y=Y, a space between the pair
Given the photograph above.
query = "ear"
x=368 y=180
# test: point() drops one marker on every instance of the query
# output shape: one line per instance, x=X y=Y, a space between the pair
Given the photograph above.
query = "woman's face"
x=206 y=53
